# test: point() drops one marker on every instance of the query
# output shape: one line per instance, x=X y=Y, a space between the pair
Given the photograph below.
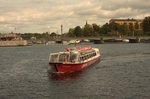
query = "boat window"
x=85 y=57
x=63 y=57
x=54 y=58
x=97 y=52
x=92 y=54
x=79 y=59
x=88 y=55
x=82 y=58
x=73 y=57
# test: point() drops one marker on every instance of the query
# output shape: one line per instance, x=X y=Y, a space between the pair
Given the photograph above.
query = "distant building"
x=10 y=37
x=132 y=24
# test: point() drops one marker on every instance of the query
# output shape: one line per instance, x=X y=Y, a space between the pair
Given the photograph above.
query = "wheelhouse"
x=64 y=57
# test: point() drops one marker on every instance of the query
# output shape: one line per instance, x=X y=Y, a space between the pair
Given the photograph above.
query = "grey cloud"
x=36 y=15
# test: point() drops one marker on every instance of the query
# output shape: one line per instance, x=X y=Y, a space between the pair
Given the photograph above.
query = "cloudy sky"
x=47 y=15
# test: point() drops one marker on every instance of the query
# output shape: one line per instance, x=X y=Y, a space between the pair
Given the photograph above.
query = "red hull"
x=59 y=68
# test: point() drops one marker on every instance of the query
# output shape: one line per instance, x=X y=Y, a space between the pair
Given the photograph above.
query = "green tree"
x=53 y=34
x=146 y=25
x=96 y=29
x=105 y=29
x=88 y=30
x=78 y=31
x=45 y=36
x=123 y=29
x=71 y=32
x=114 y=28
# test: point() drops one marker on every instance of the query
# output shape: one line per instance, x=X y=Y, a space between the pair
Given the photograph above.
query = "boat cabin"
x=73 y=56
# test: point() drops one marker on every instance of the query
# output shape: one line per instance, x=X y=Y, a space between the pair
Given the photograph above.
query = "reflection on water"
x=74 y=75
x=123 y=73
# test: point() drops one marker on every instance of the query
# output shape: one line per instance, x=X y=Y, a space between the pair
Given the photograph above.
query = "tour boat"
x=73 y=59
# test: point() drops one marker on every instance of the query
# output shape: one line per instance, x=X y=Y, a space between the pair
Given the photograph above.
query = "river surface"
x=123 y=73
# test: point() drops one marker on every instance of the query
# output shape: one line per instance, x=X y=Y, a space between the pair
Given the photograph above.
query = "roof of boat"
x=81 y=49
x=78 y=49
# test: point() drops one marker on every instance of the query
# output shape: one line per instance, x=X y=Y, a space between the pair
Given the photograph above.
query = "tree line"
x=94 y=30
x=110 y=29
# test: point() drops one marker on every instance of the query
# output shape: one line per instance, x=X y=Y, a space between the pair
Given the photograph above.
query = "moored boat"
x=73 y=59
x=12 y=39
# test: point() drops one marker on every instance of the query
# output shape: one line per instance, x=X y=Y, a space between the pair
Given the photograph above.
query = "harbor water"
x=123 y=73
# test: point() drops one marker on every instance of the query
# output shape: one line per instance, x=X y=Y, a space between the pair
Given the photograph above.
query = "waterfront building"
x=10 y=37
x=132 y=24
